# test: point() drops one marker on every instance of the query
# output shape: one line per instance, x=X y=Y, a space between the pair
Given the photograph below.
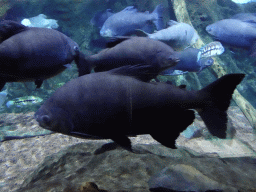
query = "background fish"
x=126 y=21
x=235 y=32
x=40 y=21
x=133 y=51
x=42 y=53
x=23 y=101
x=177 y=35
x=100 y=17
x=114 y=104
x=188 y=63
x=212 y=49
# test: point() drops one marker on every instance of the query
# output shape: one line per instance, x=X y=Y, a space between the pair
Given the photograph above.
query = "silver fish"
x=212 y=49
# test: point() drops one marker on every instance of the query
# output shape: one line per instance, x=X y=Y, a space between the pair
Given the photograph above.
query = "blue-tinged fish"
x=129 y=19
x=3 y=95
x=115 y=104
x=24 y=101
x=35 y=54
x=212 y=49
x=188 y=63
x=177 y=35
x=235 y=32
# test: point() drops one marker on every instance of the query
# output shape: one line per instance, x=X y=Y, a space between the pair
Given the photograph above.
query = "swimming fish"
x=3 y=95
x=235 y=32
x=100 y=17
x=177 y=35
x=24 y=101
x=35 y=54
x=212 y=49
x=40 y=21
x=126 y=21
x=188 y=63
x=132 y=51
x=119 y=103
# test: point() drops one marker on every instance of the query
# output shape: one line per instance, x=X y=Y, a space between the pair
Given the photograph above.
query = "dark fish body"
x=133 y=51
x=35 y=54
x=188 y=62
x=128 y=20
x=234 y=32
x=117 y=103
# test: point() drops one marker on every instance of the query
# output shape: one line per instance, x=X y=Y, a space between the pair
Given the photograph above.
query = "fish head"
x=54 y=119
x=213 y=30
x=106 y=32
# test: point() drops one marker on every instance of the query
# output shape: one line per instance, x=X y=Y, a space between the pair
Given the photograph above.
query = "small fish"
x=3 y=95
x=40 y=21
x=212 y=49
x=129 y=19
x=24 y=101
x=177 y=35
x=188 y=63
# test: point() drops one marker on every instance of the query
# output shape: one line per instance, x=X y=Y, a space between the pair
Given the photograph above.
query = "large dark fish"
x=35 y=54
x=120 y=103
x=133 y=51
x=235 y=32
x=128 y=20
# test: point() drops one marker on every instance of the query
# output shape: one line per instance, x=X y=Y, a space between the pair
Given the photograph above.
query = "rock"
x=119 y=170
x=185 y=178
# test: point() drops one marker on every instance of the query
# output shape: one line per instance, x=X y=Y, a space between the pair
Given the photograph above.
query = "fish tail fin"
x=83 y=65
x=158 y=17
x=218 y=96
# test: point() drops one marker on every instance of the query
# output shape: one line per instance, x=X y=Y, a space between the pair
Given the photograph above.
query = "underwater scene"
x=127 y=95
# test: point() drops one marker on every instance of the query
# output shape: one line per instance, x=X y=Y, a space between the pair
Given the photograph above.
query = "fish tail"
x=218 y=96
x=83 y=65
x=158 y=17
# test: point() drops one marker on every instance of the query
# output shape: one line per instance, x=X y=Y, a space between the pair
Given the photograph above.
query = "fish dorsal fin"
x=9 y=28
x=116 y=40
x=130 y=8
x=171 y=23
x=142 y=72
x=141 y=33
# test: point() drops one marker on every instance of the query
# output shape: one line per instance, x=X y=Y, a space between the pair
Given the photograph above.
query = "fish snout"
x=43 y=120
x=106 y=33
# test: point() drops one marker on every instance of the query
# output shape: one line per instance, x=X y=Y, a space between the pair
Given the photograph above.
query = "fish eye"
x=76 y=48
x=45 y=119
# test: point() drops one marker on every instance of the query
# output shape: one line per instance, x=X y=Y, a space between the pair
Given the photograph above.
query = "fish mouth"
x=106 y=33
x=43 y=121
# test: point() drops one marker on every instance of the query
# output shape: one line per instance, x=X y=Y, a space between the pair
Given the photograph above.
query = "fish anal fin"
x=182 y=119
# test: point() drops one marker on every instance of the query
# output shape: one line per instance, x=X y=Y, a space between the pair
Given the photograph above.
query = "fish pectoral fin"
x=38 y=83
x=180 y=121
x=123 y=141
